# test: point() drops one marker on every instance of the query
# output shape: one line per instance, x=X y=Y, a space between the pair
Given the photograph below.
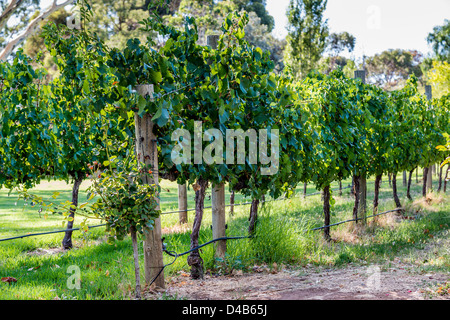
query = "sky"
x=378 y=25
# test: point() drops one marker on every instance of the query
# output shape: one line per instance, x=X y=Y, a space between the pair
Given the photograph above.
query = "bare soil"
x=399 y=282
x=404 y=278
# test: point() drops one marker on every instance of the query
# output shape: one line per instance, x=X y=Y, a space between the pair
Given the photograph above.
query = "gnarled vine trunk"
x=357 y=197
x=446 y=178
x=408 y=192
x=253 y=216
x=394 y=190
x=326 y=212
x=194 y=260
x=376 y=194
x=424 y=186
x=67 y=241
x=440 y=179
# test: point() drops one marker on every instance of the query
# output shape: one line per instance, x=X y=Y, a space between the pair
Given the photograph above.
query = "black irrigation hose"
x=100 y=225
x=49 y=232
x=176 y=255
x=341 y=222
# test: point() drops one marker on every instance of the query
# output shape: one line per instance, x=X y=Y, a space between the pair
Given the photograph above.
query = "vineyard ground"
x=399 y=279
x=284 y=262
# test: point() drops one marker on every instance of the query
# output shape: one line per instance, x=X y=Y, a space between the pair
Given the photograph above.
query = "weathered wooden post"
x=362 y=203
x=147 y=153
x=429 y=187
x=182 y=203
x=218 y=194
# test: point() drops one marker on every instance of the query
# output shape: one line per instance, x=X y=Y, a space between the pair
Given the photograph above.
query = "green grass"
x=282 y=237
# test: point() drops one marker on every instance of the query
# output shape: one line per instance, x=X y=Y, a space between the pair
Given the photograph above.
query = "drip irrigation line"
x=176 y=255
x=341 y=222
x=49 y=232
x=208 y=207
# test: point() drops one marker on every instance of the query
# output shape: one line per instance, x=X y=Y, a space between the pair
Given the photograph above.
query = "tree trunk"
x=440 y=179
x=430 y=179
x=253 y=216
x=340 y=188
x=352 y=192
x=31 y=28
x=232 y=202
x=425 y=177
x=194 y=260
x=67 y=241
x=394 y=190
x=377 y=194
x=408 y=192
x=137 y=271
x=12 y=7
x=357 y=197
x=182 y=204
x=362 y=205
x=326 y=212
x=446 y=178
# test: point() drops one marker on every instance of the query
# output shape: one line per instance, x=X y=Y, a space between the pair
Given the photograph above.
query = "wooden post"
x=428 y=93
x=218 y=193
x=218 y=219
x=212 y=41
x=147 y=152
x=182 y=204
x=362 y=203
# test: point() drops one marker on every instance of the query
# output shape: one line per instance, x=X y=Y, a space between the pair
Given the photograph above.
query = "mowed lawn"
x=44 y=271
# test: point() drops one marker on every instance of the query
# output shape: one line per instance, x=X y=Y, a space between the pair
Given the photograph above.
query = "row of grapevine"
x=329 y=127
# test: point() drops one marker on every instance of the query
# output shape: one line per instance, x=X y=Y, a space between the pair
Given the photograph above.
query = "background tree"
x=307 y=35
x=439 y=78
x=439 y=40
x=21 y=11
x=391 y=68
x=259 y=8
x=117 y=21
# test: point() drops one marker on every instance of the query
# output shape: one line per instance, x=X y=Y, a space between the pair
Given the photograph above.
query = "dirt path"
x=401 y=279
x=354 y=283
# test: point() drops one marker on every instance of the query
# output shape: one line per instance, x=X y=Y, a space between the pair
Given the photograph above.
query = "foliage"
x=445 y=148
x=439 y=40
x=338 y=42
x=124 y=201
x=25 y=119
x=439 y=77
x=307 y=36
x=391 y=68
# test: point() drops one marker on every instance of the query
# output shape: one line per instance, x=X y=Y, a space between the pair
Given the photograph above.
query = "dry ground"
x=403 y=278
x=400 y=281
